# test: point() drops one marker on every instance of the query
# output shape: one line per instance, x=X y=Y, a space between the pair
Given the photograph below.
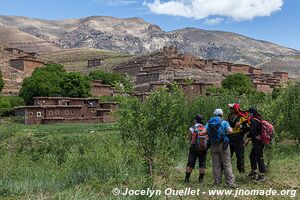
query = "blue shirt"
x=224 y=126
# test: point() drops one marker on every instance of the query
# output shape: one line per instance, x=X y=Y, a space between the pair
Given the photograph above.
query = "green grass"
x=77 y=161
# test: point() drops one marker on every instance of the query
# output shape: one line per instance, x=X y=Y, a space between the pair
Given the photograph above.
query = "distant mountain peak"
x=136 y=36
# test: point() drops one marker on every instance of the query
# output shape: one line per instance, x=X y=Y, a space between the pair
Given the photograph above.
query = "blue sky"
x=275 y=21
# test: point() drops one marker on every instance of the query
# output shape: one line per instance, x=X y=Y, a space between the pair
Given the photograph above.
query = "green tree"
x=43 y=82
x=240 y=83
x=75 y=84
x=291 y=110
x=1 y=81
x=155 y=128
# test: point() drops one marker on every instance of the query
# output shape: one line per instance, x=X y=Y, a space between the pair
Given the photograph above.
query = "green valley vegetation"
x=146 y=148
x=53 y=80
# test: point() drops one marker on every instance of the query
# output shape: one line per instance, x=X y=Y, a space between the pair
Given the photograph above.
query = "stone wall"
x=239 y=68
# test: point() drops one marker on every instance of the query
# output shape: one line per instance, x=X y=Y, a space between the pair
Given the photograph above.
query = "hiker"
x=217 y=129
x=256 y=155
x=198 y=149
x=239 y=124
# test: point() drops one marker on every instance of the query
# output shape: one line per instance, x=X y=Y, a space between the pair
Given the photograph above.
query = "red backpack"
x=267 y=131
x=199 y=139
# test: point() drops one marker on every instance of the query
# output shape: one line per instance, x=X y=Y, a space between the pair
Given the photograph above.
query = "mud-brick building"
x=263 y=86
x=26 y=64
x=255 y=71
x=99 y=89
x=284 y=76
x=95 y=62
x=14 y=50
x=191 y=90
x=221 y=67
x=239 y=68
x=50 y=110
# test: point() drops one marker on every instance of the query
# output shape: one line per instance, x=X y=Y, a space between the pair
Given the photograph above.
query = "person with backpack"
x=217 y=130
x=256 y=155
x=198 y=149
x=239 y=124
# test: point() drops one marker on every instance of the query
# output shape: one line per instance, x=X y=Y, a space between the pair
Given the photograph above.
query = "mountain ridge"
x=136 y=36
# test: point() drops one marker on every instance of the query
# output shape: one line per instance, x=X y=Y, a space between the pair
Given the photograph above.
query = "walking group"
x=228 y=137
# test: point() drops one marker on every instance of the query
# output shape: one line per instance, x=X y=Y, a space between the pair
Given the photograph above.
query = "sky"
x=277 y=21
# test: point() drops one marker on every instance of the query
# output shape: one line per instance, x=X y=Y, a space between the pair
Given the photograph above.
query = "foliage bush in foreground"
x=156 y=128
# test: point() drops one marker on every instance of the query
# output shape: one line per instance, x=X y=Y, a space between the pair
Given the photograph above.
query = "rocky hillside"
x=135 y=36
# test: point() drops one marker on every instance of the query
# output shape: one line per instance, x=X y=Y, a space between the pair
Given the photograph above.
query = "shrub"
x=239 y=83
x=156 y=128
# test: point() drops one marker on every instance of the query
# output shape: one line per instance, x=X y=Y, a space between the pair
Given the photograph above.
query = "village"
x=149 y=72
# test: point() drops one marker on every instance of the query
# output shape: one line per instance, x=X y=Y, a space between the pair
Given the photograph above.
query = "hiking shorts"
x=193 y=155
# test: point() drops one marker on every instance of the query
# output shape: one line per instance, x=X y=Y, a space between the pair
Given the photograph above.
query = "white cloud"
x=200 y=9
x=214 y=21
x=116 y=2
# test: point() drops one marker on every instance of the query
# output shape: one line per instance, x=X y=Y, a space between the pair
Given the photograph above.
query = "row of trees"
x=157 y=128
x=53 y=80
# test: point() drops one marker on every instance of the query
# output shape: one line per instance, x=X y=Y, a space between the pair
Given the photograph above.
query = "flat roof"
x=28 y=60
x=66 y=98
x=49 y=106
x=281 y=72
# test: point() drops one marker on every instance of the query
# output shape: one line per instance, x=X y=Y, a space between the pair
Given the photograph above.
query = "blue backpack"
x=216 y=133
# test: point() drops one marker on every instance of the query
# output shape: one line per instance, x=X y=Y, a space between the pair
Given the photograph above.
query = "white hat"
x=218 y=112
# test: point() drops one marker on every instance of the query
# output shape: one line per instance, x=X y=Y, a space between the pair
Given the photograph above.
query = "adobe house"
x=147 y=77
x=95 y=62
x=49 y=110
x=33 y=54
x=14 y=50
x=239 y=68
x=209 y=64
x=221 y=67
x=263 y=87
x=256 y=71
x=26 y=64
x=284 y=76
x=98 y=89
x=190 y=90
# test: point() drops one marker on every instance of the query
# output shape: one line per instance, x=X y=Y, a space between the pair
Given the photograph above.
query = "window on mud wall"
x=39 y=114
x=72 y=112
x=67 y=112
x=30 y=114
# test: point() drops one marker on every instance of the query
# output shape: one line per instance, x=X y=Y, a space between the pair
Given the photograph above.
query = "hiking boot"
x=252 y=175
x=201 y=180
x=261 y=178
x=186 y=180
